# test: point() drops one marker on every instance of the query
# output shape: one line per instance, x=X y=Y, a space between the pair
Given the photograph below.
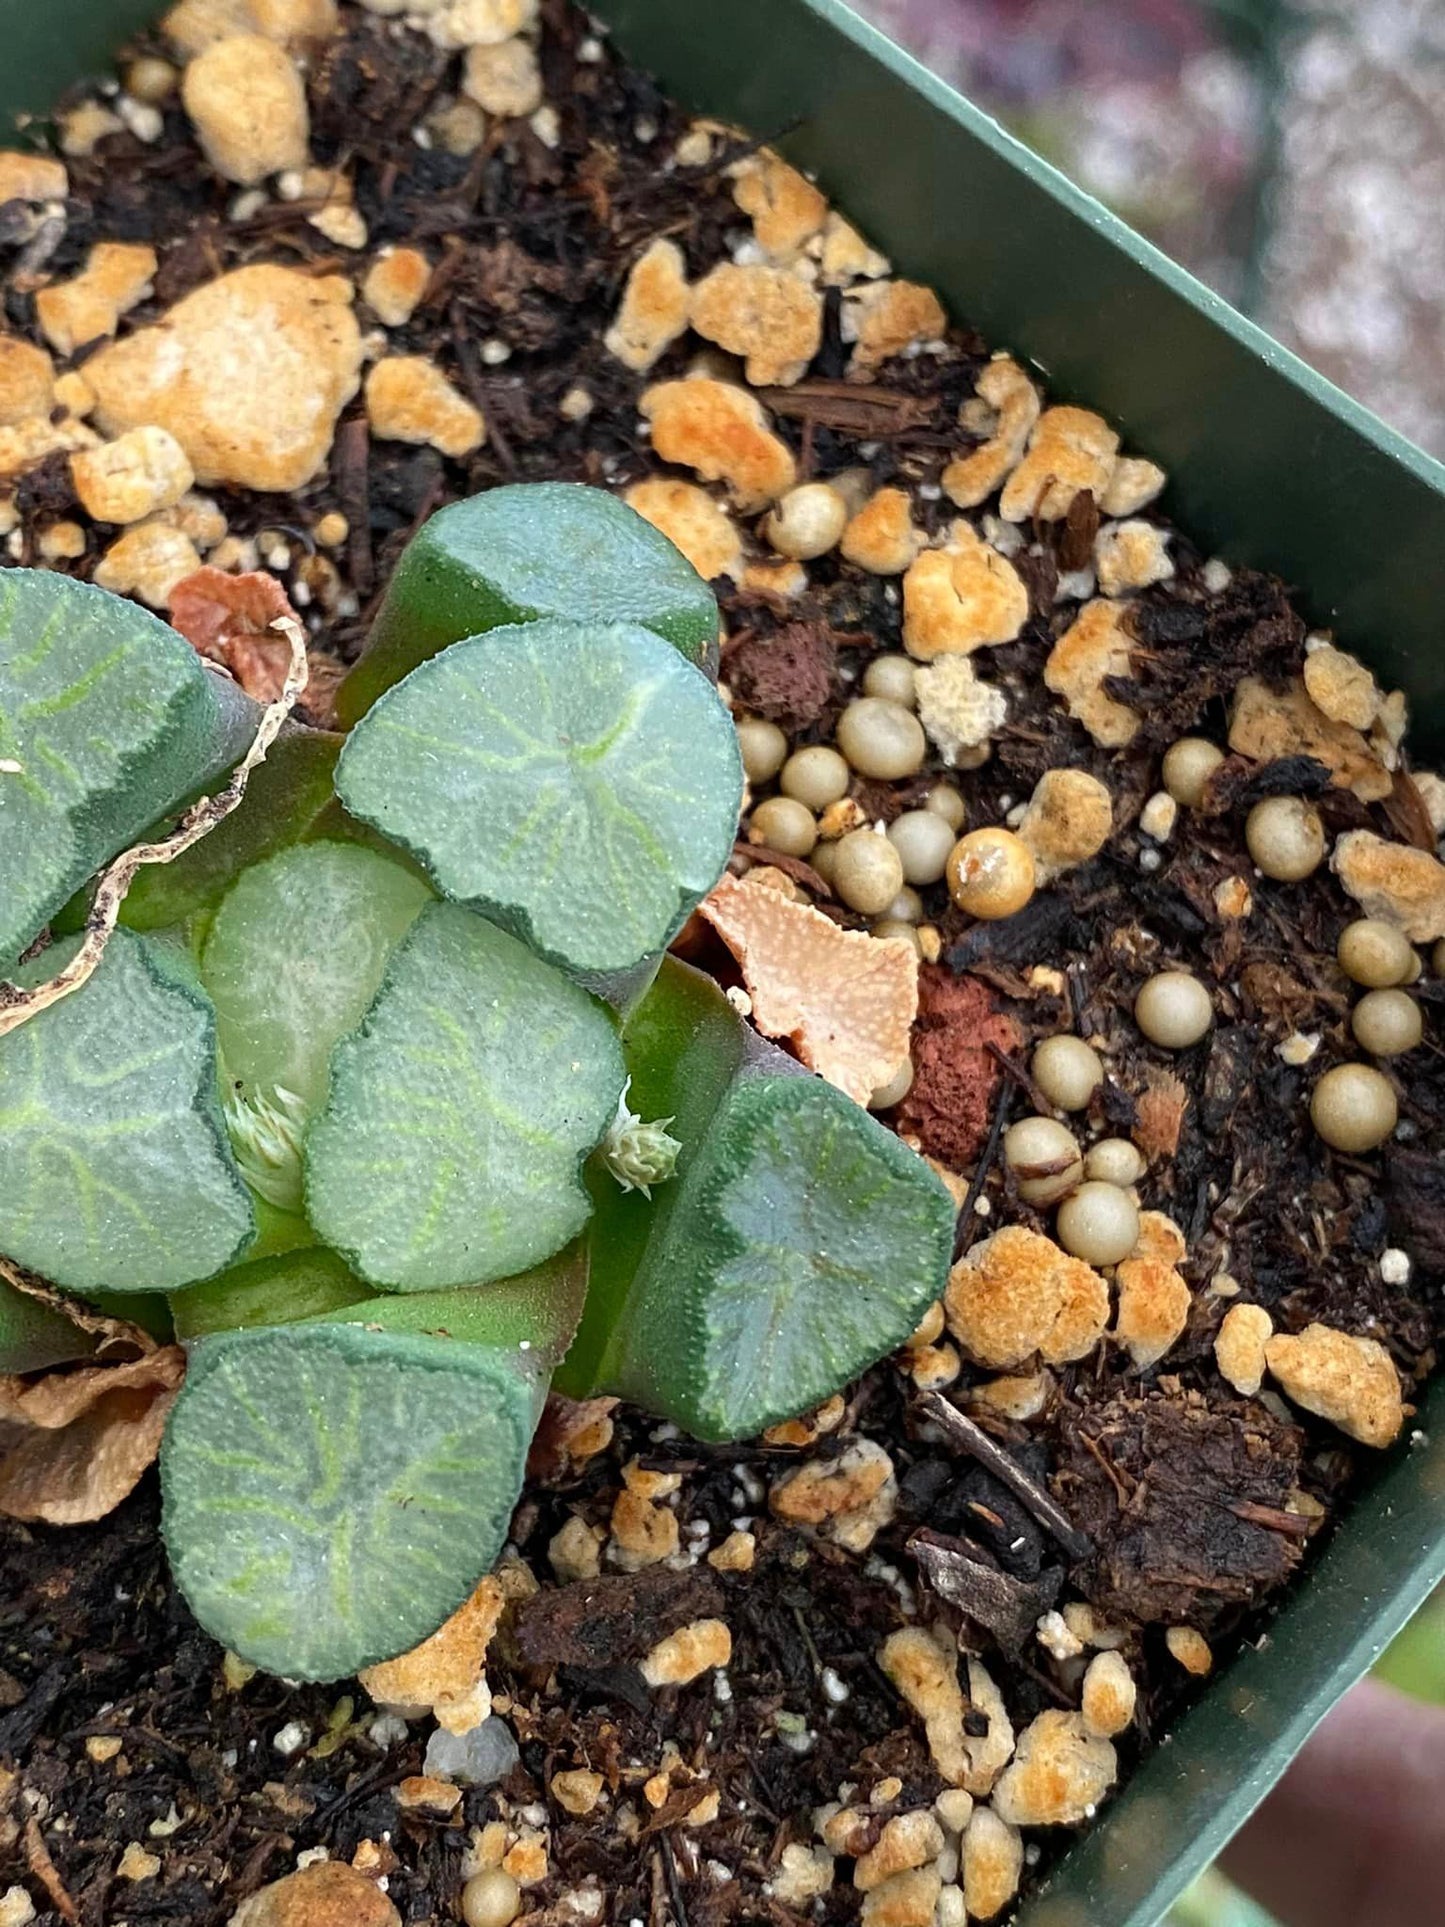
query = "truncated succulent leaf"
x=278 y=1290
x=798 y=1241
x=108 y=719
x=520 y=553
x=579 y=784
x=332 y=1494
x=295 y=956
x=449 y=1151
x=33 y=1337
x=115 y=1172
x=287 y=795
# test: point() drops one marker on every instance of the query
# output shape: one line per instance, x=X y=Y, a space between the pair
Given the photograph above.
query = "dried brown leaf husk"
x=228 y=619
x=73 y=1444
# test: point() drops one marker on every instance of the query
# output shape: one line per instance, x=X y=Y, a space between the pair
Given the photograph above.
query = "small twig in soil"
x=1291 y=1524
x=42 y=1867
x=791 y=866
x=992 y=1457
x=19 y=1006
x=963 y=1236
x=674 y=1885
x=1021 y=1077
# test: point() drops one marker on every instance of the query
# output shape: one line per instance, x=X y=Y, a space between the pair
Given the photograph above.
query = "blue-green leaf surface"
x=333 y=1494
x=520 y=554
x=295 y=955
x=115 y=1172
x=450 y=1147
x=809 y=1242
x=108 y=719
x=33 y=1337
x=581 y=784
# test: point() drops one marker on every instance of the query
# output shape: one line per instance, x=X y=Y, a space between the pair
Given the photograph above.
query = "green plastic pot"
x=1269 y=465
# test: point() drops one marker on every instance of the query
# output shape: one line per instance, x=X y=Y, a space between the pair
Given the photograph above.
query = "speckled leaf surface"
x=295 y=956
x=107 y=720
x=809 y=1243
x=115 y=1171
x=581 y=784
x=520 y=553
x=449 y=1151
x=332 y=1494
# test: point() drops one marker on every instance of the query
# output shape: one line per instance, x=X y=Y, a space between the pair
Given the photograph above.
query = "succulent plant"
x=388 y=1087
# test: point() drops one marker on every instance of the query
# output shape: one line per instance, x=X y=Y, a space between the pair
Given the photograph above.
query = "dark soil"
x=1177 y=1496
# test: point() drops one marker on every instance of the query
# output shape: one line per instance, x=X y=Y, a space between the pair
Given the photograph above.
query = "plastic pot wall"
x=1269 y=465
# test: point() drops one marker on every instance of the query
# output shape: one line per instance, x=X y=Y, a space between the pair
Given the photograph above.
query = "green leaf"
x=278 y=1290
x=284 y=798
x=532 y=1317
x=450 y=1148
x=115 y=1173
x=295 y=956
x=33 y=1337
x=108 y=720
x=579 y=785
x=332 y=1494
x=518 y=553
x=798 y=1242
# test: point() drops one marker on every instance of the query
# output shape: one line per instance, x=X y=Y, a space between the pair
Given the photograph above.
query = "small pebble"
x=479 y=1758
x=990 y=873
x=1174 y=1010
x=1354 y=1108
x=785 y=825
x=1044 y=1159
x=895 y=1090
x=1375 y=954
x=924 y=840
x=816 y=777
x=1099 y=1223
x=763 y=747
x=881 y=739
x=945 y=801
x=491 y=1898
x=867 y=873
x=1286 y=838
x=891 y=677
x=1114 y=1160
x=1068 y=1071
x=1387 y=1023
x=1188 y=766
x=807 y=522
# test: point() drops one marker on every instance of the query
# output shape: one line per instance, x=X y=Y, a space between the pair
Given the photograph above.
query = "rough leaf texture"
x=582 y=784
x=115 y=1173
x=332 y=1494
x=450 y=1148
x=107 y=720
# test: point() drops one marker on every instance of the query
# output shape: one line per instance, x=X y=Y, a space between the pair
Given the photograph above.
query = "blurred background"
x=1290 y=152
x=1291 y=155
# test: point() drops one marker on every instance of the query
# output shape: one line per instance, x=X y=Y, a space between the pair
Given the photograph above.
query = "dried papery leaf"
x=112 y=1334
x=1160 y=1108
x=74 y=1444
x=845 y=1001
x=232 y=620
x=18 y=1006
